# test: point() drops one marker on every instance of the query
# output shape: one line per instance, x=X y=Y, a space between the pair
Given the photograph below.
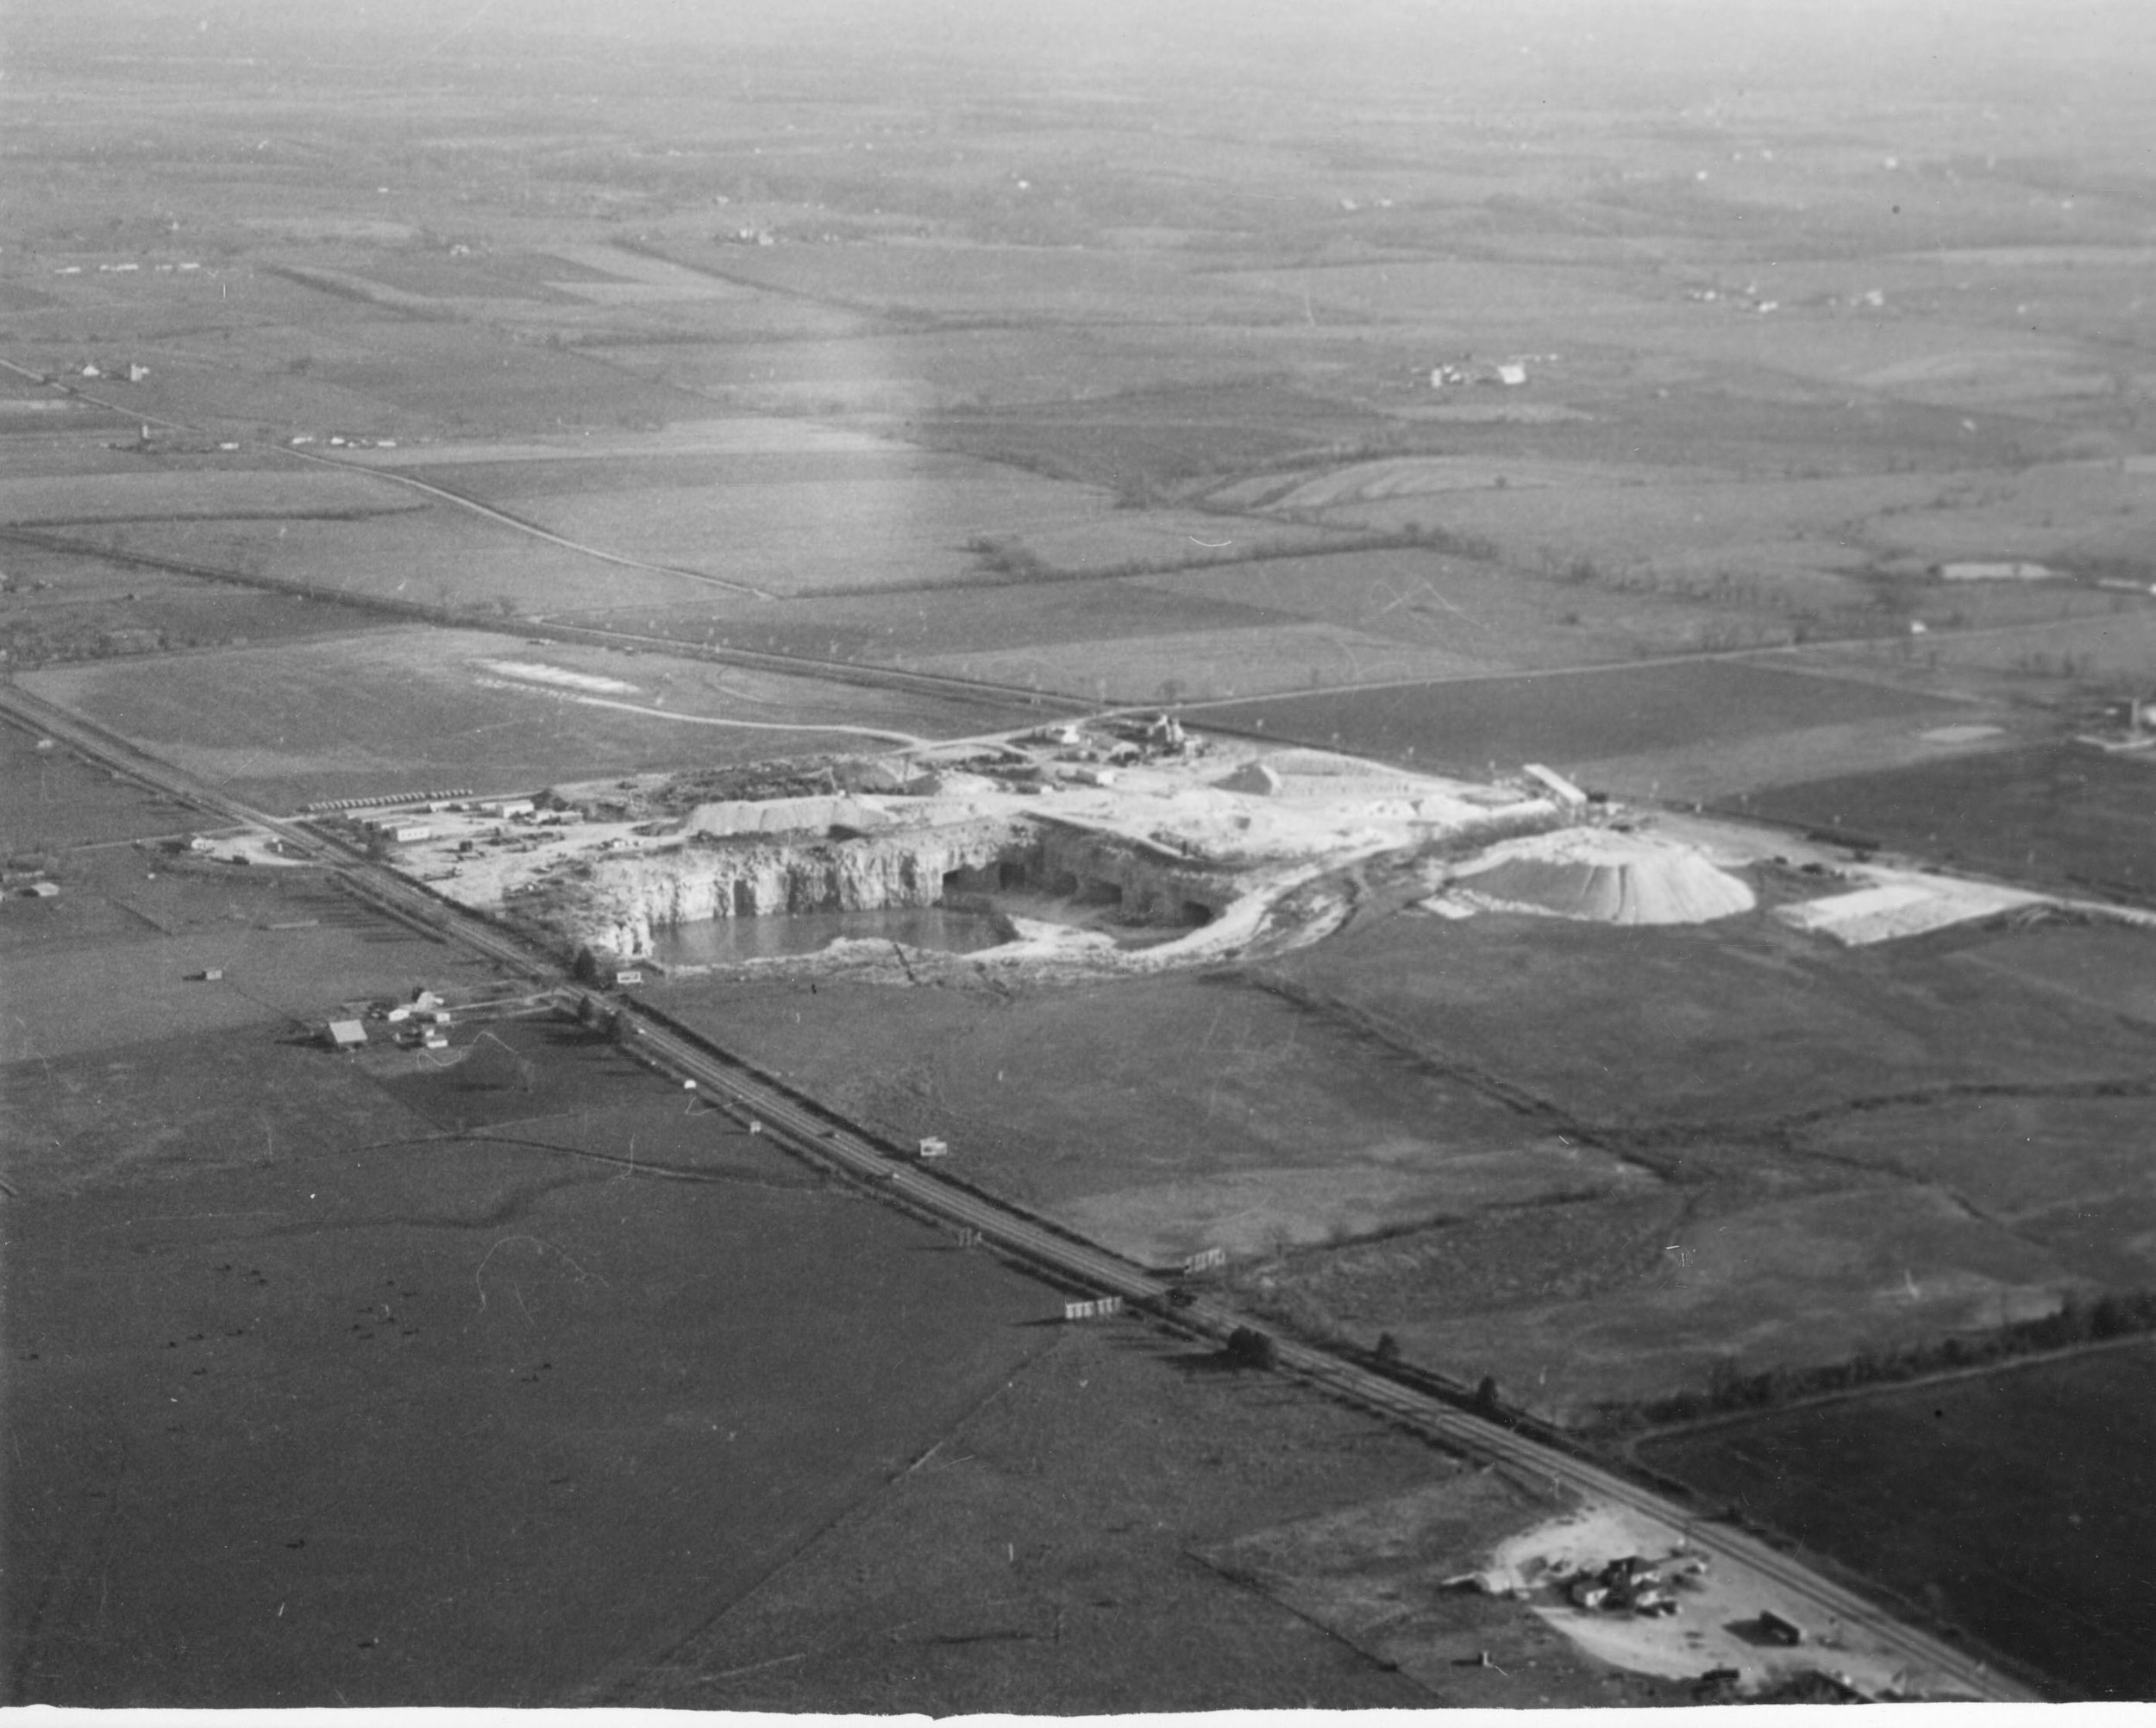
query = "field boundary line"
x=1877 y=1388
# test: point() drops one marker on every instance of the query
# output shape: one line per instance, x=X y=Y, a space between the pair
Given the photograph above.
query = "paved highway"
x=1946 y=1670
x=828 y=1140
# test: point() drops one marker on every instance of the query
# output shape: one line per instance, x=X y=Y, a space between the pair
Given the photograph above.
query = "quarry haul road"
x=831 y=1141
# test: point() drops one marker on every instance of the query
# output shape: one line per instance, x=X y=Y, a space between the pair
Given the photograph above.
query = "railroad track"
x=370 y=881
x=824 y=1139
x=828 y=1140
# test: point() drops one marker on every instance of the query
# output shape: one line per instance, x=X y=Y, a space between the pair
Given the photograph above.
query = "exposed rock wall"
x=628 y=899
x=1152 y=887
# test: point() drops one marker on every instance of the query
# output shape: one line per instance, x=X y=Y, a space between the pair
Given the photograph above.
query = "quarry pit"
x=1121 y=844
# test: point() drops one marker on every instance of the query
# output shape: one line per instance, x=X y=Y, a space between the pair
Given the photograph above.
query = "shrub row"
x=2078 y=1321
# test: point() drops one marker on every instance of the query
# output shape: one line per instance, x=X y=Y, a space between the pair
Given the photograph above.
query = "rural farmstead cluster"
x=944 y=857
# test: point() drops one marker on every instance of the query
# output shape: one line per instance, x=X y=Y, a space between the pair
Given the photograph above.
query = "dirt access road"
x=828 y=1140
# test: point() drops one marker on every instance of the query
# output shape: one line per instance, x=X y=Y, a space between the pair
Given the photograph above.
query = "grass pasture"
x=922 y=371
x=52 y=799
x=860 y=517
x=152 y=495
x=1485 y=613
x=410 y=705
x=1045 y=1554
x=2067 y=1168
x=1045 y=283
x=2059 y=814
x=1566 y=718
x=438 y=372
x=1689 y=1041
x=1792 y=1281
x=1274 y=1128
x=291 y=949
x=904 y=627
x=1461 y=295
x=2107 y=967
x=1213 y=665
x=1847 y=1152
x=633 y=1452
x=439 y=555
x=2015 y=1503
x=2061 y=512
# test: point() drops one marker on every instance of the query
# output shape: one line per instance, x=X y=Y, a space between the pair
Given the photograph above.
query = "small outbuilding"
x=1776 y=1630
x=344 y=1035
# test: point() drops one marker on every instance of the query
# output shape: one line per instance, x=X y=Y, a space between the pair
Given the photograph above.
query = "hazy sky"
x=2052 y=70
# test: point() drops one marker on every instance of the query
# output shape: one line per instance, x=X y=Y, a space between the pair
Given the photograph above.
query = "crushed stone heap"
x=1598 y=873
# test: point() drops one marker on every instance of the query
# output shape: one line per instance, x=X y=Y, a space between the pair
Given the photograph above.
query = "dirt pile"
x=1600 y=874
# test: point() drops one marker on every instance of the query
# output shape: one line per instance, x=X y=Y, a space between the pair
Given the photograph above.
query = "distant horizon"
x=1651 y=48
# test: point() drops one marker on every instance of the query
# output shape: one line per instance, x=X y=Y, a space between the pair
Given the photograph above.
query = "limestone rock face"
x=1151 y=886
x=784 y=815
x=629 y=898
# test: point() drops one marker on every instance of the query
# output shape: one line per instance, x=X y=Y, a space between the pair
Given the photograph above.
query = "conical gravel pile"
x=1610 y=878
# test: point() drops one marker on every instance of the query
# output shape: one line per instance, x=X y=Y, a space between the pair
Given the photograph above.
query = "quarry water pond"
x=726 y=942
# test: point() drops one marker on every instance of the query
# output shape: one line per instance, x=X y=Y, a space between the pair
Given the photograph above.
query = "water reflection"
x=725 y=941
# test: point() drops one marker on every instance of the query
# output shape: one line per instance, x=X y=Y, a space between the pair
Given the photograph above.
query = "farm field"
x=71 y=606
x=52 y=799
x=1569 y=718
x=1494 y=614
x=2059 y=814
x=1729 y=776
x=333 y=1308
x=2014 y=1503
x=1756 y=536
x=1038 y=284
x=1049 y=1550
x=441 y=556
x=408 y=706
x=59 y=501
x=926 y=371
x=801 y=525
x=2100 y=964
x=1778 y=1095
x=904 y=627
x=1652 y=373
x=1587 y=1162
x=136 y=930
x=1213 y=665
x=1286 y=1131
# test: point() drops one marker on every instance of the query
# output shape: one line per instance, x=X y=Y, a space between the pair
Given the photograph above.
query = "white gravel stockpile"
x=1600 y=874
